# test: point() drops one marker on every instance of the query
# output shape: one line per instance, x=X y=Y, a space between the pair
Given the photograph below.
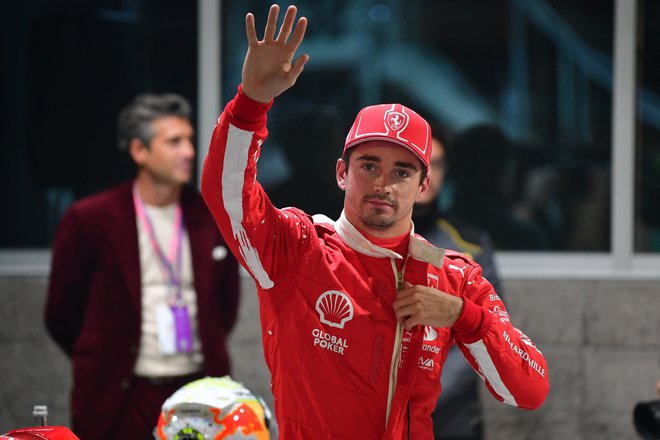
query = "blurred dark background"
x=540 y=71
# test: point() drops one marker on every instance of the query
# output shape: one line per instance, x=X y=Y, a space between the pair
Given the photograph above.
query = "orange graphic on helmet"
x=243 y=418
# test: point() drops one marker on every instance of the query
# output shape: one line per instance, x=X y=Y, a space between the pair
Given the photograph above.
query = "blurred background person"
x=142 y=292
x=488 y=181
x=310 y=136
x=458 y=414
x=646 y=417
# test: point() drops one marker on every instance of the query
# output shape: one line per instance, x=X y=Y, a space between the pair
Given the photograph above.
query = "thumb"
x=297 y=67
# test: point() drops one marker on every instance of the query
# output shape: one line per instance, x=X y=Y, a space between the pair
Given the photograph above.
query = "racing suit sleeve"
x=265 y=240
x=514 y=370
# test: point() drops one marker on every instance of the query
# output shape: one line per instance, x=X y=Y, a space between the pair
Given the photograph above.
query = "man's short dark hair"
x=136 y=118
x=346 y=158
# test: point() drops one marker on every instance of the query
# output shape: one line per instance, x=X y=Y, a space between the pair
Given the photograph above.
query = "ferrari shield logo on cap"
x=395 y=120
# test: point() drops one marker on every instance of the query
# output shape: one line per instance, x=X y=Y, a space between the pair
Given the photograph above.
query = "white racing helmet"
x=214 y=408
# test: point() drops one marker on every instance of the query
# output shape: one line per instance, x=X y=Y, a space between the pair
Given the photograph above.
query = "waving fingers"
x=269 y=67
x=285 y=29
x=287 y=24
x=298 y=33
x=250 y=31
x=271 y=24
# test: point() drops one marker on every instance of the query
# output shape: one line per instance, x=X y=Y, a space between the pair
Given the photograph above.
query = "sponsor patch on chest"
x=335 y=309
x=330 y=342
x=431 y=347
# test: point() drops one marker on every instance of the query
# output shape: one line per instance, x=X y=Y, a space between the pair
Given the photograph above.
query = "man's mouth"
x=380 y=203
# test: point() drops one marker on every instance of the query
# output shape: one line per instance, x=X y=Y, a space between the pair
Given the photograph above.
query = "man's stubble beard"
x=377 y=221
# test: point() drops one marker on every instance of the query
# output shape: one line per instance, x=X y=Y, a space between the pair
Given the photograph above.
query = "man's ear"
x=138 y=151
x=341 y=172
x=423 y=187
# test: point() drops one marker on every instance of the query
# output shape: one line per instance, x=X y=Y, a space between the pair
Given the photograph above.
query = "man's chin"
x=183 y=179
x=381 y=223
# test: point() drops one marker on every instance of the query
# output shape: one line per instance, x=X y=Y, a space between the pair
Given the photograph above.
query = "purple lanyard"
x=171 y=263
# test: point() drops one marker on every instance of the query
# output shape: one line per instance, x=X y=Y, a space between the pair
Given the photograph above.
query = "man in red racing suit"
x=357 y=315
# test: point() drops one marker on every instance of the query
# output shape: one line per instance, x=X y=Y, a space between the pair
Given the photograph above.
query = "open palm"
x=268 y=69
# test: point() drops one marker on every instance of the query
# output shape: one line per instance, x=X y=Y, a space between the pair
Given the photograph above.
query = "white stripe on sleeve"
x=488 y=369
x=233 y=177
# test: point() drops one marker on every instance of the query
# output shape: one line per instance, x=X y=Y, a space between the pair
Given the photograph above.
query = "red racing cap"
x=392 y=123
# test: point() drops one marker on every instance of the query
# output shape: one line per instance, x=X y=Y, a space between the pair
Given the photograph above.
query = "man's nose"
x=382 y=185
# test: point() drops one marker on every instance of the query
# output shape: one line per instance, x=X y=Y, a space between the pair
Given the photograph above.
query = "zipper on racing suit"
x=408 y=414
x=396 y=352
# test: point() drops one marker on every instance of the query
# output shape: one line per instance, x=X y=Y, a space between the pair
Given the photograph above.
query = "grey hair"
x=136 y=118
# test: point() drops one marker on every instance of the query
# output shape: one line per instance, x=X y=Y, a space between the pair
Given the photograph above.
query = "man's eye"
x=368 y=167
x=402 y=173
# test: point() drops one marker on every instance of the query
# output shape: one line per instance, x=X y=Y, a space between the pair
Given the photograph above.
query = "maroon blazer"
x=93 y=309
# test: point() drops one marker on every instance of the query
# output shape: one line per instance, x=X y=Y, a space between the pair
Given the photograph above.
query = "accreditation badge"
x=174 y=329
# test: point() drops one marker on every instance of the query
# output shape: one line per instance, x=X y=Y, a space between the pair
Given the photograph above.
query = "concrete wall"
x=601 y=339
x=602 y=343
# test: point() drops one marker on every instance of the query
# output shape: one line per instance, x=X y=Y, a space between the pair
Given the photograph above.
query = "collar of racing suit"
x=418 y=248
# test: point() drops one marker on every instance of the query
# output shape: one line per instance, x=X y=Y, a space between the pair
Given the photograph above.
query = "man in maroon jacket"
x=143 y=292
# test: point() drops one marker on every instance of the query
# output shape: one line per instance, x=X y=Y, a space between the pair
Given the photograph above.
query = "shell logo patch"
x=334 y=308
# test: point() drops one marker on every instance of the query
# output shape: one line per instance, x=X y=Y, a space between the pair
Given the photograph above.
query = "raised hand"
x=268 y=70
